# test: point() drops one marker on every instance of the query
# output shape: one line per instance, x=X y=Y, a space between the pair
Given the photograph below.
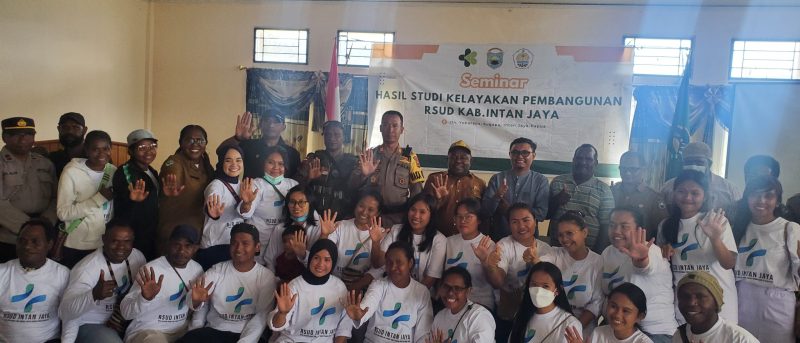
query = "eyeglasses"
x=300 y=203
x=198 y=141
x=147 y=147
x=523 y=153
x=465 y=217
x=456 y=289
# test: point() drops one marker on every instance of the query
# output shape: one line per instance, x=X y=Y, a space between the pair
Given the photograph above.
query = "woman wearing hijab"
x=308 y=308
x=228 y=202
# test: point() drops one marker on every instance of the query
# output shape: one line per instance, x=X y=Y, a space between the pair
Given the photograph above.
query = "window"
x=355 y=48
x=775 y=60
x=659 y=56
x=281 y=46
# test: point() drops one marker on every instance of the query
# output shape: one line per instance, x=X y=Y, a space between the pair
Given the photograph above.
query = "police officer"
x=632 y=191
x=395 y=171
x=28 y=186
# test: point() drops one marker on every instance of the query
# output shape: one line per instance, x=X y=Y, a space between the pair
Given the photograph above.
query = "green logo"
x=469 y=57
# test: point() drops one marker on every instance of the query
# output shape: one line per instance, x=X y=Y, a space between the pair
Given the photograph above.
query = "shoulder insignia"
x=407 y=151
x=402 y=181
x=169 y=162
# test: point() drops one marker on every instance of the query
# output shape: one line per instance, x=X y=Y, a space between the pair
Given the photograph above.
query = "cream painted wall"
x=87 y=56
x=198 y=46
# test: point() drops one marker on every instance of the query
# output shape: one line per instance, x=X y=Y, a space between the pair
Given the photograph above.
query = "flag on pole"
x=679 y=134
x=332 y=105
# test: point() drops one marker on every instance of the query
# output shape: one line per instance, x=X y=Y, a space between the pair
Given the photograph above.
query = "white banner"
x=487 y=95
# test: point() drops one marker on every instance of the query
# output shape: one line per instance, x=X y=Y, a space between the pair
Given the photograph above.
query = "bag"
x=350 y=275
x=508 y=304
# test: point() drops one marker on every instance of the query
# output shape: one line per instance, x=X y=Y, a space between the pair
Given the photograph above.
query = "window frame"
x=633 y=55
x=339 y=52
x=308 y=45
x=744 y=80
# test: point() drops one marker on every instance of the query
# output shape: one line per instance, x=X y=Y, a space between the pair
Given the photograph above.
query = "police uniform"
x=27 y=188
x=398 y=177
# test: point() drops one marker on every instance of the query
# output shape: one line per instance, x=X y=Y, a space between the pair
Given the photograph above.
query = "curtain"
x=652 y=120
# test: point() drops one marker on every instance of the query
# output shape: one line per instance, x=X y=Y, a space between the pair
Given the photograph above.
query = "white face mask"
x=541 y=297
x=695 y=168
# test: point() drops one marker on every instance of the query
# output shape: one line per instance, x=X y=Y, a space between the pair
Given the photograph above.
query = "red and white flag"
x=332 y=104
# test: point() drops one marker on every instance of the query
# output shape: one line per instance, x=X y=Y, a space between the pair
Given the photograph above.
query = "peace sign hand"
x=285 y=299
x=146 y=279
x=440 y=186
x=137 y=191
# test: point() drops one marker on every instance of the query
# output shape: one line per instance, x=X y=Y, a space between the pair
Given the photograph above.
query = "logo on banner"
x=469 y=57
x=523 y=58
x=494 y=58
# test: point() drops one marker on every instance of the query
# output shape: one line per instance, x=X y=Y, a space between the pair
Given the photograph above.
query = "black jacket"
x=142 y=216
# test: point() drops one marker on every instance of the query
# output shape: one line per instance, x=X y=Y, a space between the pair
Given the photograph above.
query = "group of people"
x=336 y=247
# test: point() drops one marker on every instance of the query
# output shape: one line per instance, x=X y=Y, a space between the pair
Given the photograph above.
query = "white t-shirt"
x=354 y=247
x=239 y=302
x=605 y=334
x=428 y=263
x=29 y=301
x=274 y=247
x=722 y=331
x=473 y=324
x=655 y=280
x=269 y=207
x=168 y=311
x=78 y=307
x=695 y=252
x=556 y=321
x=580 y=279
x=513 y=264
x=401 y=315
x=218 y=232
x=97 y=178
x=317 y=316
x=459 y=253
x=768 y=255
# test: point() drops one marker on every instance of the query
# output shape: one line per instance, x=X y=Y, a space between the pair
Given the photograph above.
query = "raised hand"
x=440 y=186
x=328 y=223
x=352 y=306
x=713 y=224
x=248 y=191
x=667 y=251
x=103 y=289
x=244 y=126
x=200 y=292
x=137 y=191
x=214 y=206
x=639 y=247
x=367 y=163
x=376 y=231
x=483 y=248
x=531 y=255
x=298 y=243
x=284 y=299
x=572 y=335
x=314 y=168
x=171 y=187
x=437 y=336
x=501 y=192
x=147 y=282
x=495 y=256
x=562 y=197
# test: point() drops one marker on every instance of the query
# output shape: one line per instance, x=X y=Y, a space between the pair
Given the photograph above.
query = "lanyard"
x=185 y=286
x=130 y=279
x=452 y=333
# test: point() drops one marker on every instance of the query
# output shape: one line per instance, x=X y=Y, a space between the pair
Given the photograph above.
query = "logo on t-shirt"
x=179 y=296
x=524 y=272
x=398 y=319
x=529 y=335
x=752 y=256
x=685 y=251
x=575 y=288
x=27 y=293
x=331 y=310
x=455 y=260
x=612 y=278
x=232 y=298
x=361 y=255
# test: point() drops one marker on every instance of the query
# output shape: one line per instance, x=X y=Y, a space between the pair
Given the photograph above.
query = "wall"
x=198 y=46
x=87 y=56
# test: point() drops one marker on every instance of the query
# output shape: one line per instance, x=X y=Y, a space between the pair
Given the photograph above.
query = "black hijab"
x=219 y=173
x=322 y=244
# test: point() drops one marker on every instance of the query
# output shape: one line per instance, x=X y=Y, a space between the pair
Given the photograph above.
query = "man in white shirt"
x=700 y=300
x=232 y=299
x=96 y=285
x=31 y=287
x=157 y=302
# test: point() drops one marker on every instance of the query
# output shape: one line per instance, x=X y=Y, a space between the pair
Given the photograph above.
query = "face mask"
x=300 y=219
x=695 y=168
x=541 y=297
x=273 y=180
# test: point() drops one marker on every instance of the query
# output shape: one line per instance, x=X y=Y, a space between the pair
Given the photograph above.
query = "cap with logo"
x=18 y=125
x=139 y=135
x=459 y=144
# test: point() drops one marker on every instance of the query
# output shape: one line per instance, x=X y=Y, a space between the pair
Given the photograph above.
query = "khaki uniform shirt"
x=187 y=207
x=647 y=201
x=469 y=186
x=397 y=177
x=28 y=189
